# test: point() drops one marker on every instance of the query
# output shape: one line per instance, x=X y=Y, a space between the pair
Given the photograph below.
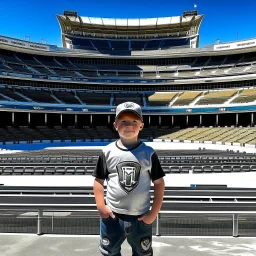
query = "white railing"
x=175 y=207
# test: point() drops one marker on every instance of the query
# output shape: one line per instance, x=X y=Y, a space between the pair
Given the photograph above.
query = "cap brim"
x=126 y=110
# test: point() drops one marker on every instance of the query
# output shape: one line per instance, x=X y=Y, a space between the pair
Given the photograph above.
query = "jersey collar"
x=128 y=149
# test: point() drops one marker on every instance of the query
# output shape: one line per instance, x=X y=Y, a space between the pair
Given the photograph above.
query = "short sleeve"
x=101 y=171
x=156 y=168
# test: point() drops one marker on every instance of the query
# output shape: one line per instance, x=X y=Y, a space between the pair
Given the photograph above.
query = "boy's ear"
x=115 y=126
x=141 y=127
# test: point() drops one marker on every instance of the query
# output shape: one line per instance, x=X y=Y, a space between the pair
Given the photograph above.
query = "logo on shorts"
x=128 y=174
x=145 y=243
x=105 y=241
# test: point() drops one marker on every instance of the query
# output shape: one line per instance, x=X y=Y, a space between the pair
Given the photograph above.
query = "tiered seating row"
x=216 y=97
x=120 y=98
x=100 y=98
x=42 y=133
x=88 y=170
x=161 y=98
x=186 y=98
x=245 y=135
x=56 y=66
x=209 y=169
x=38 y=95
x=59 y=159
x=67 y=97
x=248 y=95
x=46 y=170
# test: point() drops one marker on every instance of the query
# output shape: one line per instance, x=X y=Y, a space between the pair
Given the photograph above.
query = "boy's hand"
x=147 y=218
x=106 y=212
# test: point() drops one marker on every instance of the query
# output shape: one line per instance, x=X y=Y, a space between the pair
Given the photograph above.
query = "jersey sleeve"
x=156 y=169
x=101 y=170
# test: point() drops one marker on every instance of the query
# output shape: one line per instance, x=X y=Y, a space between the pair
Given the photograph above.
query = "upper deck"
x=176 y=26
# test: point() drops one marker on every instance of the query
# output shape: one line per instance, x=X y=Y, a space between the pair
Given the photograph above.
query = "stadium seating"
x=18 y=68
x=161 y=98
x=82 y=162
x=10 y=93
x=186 y=98
x=247 y=95
x=73 y=68
x=47 y=61
x=93 y=98
x=37 y=95
x=216 y=97
x=239 y=135
x=56 y=94
x=66 y=97
x=123 y=97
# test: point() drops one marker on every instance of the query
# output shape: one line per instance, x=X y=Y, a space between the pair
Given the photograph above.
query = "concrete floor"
x=47 y=245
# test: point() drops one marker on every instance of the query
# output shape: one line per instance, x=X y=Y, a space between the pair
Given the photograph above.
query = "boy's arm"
x=98 y=189
x=100 y=174
x=158 y=196
x=150 y=216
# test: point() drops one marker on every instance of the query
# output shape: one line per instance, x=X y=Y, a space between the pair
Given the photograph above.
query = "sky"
x=224 y=20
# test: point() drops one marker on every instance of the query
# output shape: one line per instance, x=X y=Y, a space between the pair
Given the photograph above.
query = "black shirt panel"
x=101 y=170
x=156 y=169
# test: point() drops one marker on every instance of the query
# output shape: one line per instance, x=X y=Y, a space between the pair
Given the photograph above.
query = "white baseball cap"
x=129 y=107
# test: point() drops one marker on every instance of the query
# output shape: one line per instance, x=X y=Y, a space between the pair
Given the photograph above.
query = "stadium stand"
x=161 y=98
x=67 y=95
x=247 y=95
x=92 y=98
x=218 y=97
x=82 y=162
x=219 y=134
x=186 y=98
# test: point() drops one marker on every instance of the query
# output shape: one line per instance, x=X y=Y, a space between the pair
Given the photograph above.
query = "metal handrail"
x=172 y=204
x=92 y=208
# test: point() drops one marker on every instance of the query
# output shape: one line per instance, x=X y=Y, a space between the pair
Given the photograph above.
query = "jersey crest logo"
x=128 y=175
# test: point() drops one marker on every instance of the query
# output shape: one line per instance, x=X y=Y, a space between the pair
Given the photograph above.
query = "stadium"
x=57 y=108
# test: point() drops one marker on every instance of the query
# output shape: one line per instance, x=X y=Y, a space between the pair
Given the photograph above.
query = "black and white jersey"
x=128 y=173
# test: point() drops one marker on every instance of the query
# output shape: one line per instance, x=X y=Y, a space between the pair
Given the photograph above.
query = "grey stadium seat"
x=216 y=168
x=236 y=168
x=49 y=170
x=207 y=168
x=174 y=169
x=253 y=168
x=29 y=170
x=39 y=170
x=166 y=169
x=70 y=170
x=18 y=170
x=185 y=169
x=90 y=169
x=197 y=169
x=60 y=170
x=245 y=168
x=8 y=170
x=81 y=170
x=227 y=168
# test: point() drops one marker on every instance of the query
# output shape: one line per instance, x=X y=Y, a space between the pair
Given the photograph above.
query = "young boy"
x=128 y=165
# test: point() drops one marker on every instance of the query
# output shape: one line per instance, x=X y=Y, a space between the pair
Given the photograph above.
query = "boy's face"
x=128 y=126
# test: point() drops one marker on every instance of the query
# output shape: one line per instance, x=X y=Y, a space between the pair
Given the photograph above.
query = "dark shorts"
x=113 y=232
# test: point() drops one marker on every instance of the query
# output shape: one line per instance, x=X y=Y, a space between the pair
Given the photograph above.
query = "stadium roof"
x=134 y=22
x=185 y=25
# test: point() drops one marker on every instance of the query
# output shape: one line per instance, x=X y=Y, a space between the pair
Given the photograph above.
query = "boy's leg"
x=111 y=236
x=140 y=238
